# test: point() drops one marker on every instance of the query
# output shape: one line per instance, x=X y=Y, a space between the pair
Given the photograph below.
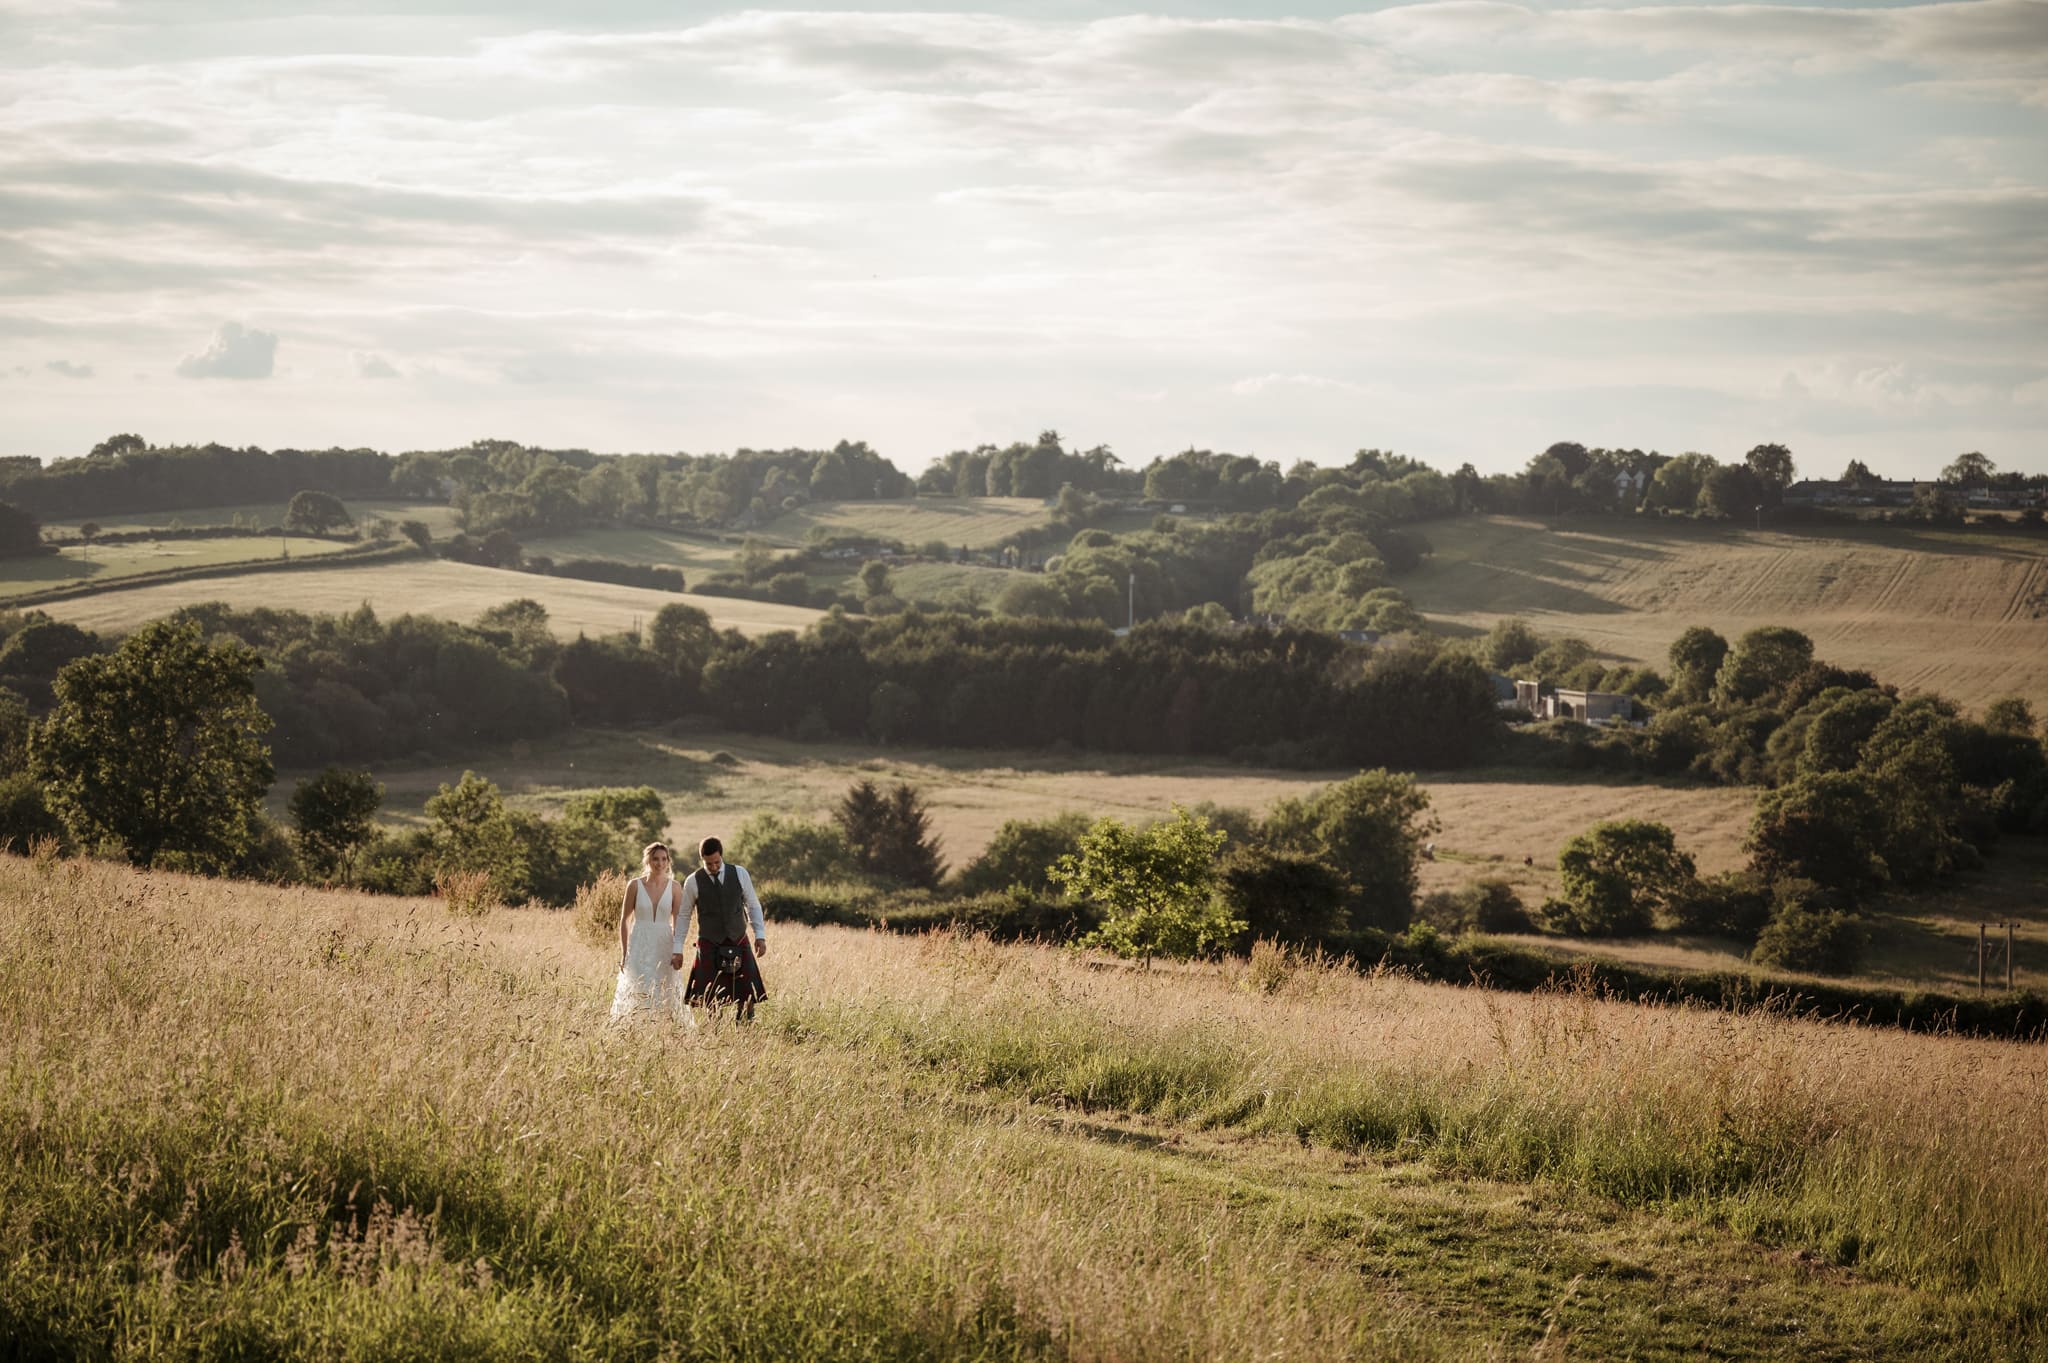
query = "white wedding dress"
x=647 y=986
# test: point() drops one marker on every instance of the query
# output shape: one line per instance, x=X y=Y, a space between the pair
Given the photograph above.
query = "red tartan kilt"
x=741 y=985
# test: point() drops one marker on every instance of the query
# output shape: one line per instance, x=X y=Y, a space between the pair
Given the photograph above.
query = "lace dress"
x=647 y=986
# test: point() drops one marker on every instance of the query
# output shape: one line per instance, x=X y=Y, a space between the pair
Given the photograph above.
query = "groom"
x=724 y=899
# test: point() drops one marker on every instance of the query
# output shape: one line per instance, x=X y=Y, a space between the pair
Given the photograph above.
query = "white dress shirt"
x=746 y=884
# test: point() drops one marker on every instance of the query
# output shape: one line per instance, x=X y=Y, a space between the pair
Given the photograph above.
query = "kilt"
x=740 y=978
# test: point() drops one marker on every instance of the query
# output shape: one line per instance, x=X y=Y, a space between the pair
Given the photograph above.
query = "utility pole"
x=2008 y=956
x=1133 y=621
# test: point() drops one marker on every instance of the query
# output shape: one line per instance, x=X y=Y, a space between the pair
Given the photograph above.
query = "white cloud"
x=1480 y=211
x=237 y=352
x=68 y=369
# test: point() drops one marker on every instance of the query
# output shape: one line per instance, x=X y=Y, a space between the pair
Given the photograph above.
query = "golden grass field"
x=437 y=517
x=109 y=562
x=298 y=1124
x=712 y=781
x=1964 y=613
x=456 y=591
x=975 y=522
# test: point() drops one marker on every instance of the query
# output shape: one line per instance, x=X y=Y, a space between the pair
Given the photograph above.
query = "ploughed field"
x=1961 y=612
x=303 y=1124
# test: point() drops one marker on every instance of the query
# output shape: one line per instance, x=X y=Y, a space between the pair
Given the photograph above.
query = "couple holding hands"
x=652 y=917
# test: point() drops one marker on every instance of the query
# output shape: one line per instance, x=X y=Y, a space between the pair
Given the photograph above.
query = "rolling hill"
x=455 y=591
x=1961 y=612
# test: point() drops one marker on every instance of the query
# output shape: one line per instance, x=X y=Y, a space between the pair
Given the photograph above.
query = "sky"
x=1458 y=229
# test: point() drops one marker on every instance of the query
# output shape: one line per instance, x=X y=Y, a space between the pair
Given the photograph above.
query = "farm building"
x=1590 y=707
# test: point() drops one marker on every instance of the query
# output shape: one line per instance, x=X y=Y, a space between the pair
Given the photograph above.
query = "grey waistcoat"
x=721 y=907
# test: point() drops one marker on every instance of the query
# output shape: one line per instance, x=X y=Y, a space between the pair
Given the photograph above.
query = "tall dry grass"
x=236 y=1119
x=292 y=1123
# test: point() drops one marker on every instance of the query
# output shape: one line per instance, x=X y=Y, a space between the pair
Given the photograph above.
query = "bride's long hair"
x=647 y=858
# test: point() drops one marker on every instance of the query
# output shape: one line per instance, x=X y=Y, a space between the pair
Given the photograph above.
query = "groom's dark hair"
x=708 y=846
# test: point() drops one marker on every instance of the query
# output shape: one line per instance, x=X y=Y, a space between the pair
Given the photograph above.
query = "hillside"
x=302 y=1125
x=1964 y=613
x=455 y=591
x=107 y=563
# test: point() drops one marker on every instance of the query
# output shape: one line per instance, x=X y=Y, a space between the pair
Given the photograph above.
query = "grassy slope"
x=110 y=562
x=438 y=518
x=317 y=1125
x=456 y=591
x=976 y=522
x=1964 y=613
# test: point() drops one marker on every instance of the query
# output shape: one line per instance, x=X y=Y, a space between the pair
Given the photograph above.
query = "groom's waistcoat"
x=721 y=907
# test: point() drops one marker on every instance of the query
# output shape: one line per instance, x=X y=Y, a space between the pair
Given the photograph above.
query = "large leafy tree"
x=316 y=513
x=1696 y=659
x=1154 y=885
x=1772 y=465
x=1369 y=830
x=156 y=746
x=1617 y=875
x=1969 y=470
x=335 y=814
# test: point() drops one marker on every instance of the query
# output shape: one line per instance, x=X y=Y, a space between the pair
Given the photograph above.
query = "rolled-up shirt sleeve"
x=753 y=903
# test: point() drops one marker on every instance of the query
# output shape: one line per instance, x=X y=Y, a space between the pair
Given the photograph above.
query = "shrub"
x=596 y=911
x=1733 y=904
x=1616 y=875
x=25 y=819
x=1022 y=853
x=468 y=894
x=1282 y=898
x=1806 y=935
x=1154 y=887
x=789 y=848
x=1495 y=906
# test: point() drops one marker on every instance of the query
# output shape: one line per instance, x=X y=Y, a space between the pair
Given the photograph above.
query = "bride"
x=647 y=926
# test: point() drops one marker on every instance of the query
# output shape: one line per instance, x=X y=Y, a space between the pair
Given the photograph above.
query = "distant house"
x=1589 y=707
x=1630 y=487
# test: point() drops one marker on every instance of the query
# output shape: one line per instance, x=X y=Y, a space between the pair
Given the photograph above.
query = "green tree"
x=893 y=710
x=1825 y=827
x=1730 y=491
x=890 y=834
x=793 y=850
x=1369 y=830
x=1696 y=659
x=875 y=579
x=1510 y=644
x=156 y=746
x=631 y=817
x=419 y=534
x=1806 y=933
x=471 y=830
x=1772 y=465
x=683 y=637
x=1155 y=887
x=335 y=815
x=316 y=513
x=1282 y=897
x=1969 y=470
x=1677 y=482
x=1616 y=876
x=21 y=533
x=1763 y=662
x=1022 y=853
x=1858 y=474
x=2010 y=715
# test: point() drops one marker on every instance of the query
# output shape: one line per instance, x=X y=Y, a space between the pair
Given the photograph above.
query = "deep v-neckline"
x=654 y=904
